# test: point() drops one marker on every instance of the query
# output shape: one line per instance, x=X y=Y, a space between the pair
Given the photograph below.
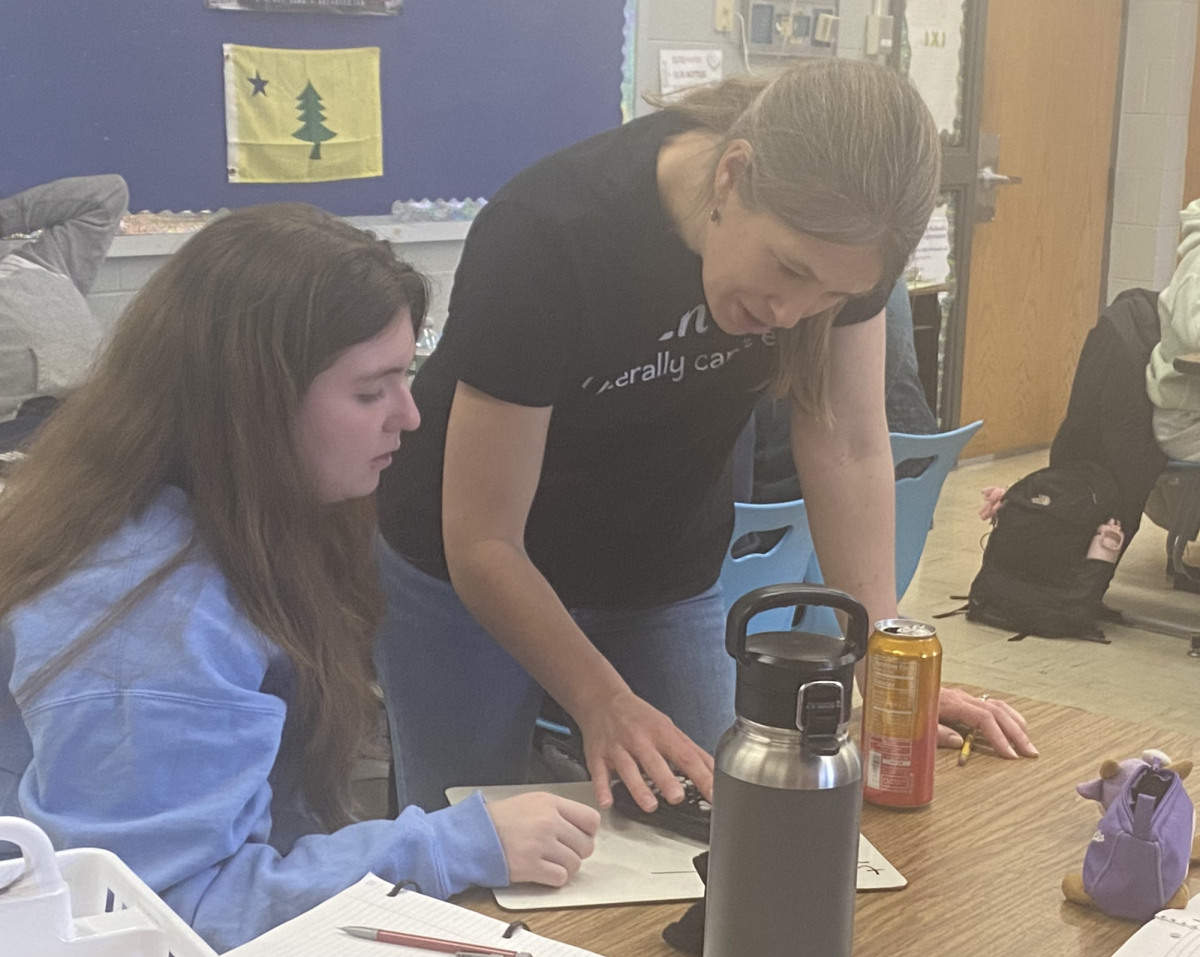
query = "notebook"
x=1172 y=933
x=316 y=933
x=636 y=863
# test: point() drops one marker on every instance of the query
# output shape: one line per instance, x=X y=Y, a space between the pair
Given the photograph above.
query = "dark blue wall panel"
x=472 y=90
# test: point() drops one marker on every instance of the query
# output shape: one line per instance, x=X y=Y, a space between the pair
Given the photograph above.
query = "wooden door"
x=1034 y=291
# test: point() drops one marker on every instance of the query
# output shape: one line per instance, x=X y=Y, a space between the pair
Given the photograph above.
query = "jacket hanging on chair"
x=1109 y=416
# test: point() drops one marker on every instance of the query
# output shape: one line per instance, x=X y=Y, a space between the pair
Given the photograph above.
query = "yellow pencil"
x=966 y=748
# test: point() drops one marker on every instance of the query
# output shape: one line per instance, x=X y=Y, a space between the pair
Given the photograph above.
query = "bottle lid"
x=773 y=666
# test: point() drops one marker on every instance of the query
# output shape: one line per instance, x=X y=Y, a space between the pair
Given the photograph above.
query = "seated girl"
x=188 y=593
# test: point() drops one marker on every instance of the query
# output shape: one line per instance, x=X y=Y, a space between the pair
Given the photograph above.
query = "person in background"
x=188 y=591
x=1176 y=395
x=48 y=335
x=560 y=520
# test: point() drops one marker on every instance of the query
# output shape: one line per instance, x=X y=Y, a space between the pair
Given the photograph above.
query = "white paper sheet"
x=317 y=933
x=935 y=40
x=932 y=255
x=679 y=69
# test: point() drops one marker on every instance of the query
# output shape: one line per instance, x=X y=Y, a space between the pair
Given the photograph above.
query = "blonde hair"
x=199 y=388
x=842 y=150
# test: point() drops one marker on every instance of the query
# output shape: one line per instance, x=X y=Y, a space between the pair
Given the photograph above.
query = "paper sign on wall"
x=935 y=39
x=931 y=258
x=679 y=69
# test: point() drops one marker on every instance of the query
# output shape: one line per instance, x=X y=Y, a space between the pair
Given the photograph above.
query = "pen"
x=458 y=948
x=966 y=748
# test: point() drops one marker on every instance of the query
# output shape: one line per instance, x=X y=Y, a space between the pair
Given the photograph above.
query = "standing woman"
x=188 y=591
x=561 y=518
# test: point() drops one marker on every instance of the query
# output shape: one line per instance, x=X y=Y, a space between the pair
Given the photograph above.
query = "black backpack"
x=1036 y=578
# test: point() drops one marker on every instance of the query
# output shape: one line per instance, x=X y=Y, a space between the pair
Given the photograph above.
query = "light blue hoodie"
x=162 y=743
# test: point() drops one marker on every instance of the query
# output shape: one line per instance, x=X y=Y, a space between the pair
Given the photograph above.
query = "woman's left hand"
x=997 y=720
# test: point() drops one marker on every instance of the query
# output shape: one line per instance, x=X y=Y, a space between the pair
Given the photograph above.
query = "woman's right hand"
x=628 y=736
x=545 y=837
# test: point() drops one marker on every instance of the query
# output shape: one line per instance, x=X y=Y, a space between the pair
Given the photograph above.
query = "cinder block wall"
x=434 y=249
x=120 y=277
x=1155 y=97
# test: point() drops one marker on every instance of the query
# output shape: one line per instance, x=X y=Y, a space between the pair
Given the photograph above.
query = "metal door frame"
x=960 y=170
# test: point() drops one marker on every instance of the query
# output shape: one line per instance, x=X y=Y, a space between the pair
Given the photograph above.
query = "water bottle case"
x=691 y=817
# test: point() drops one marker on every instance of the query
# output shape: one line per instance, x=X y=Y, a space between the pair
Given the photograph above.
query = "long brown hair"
x=843 y=150
x=199 y=387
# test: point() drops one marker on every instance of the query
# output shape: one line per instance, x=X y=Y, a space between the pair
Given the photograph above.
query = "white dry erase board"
x=636 y=863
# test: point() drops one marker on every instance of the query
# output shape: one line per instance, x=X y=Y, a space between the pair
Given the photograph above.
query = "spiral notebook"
x=317 y=933
x=1172 y=933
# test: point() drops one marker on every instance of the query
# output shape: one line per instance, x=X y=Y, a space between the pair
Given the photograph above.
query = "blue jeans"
x=462 y=710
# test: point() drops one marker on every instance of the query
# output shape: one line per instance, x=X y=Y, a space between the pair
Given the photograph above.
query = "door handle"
x=989 y=177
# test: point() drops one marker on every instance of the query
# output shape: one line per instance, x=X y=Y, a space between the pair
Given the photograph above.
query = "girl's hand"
x=545 y=837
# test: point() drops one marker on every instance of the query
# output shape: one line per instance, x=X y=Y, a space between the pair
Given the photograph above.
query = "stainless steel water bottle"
x=787 y=795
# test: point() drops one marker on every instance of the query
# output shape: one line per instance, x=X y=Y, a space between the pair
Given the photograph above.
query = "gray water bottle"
x=783 y=853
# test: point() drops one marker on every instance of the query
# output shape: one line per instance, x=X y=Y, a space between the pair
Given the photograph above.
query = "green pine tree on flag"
x=313 y=131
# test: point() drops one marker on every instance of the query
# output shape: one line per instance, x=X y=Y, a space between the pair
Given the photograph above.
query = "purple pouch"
x=1139 y=855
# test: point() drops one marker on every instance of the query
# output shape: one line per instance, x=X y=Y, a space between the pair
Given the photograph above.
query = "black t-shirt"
x=574 y=291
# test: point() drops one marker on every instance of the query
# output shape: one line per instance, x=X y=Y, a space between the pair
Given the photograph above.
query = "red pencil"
x=430 y=943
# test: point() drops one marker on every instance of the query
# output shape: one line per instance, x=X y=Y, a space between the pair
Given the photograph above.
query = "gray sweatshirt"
x=1176 y=396
x=48 y=336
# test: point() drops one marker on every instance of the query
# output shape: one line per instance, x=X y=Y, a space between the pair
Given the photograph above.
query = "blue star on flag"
x=259 y=84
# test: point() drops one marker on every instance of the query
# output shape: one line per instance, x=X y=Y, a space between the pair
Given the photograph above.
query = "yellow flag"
x=302 y=116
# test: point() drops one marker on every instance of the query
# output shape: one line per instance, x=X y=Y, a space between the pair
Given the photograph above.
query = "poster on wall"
x=302 y=116
x=930 y=261
x=381 y=8
x=935 y=40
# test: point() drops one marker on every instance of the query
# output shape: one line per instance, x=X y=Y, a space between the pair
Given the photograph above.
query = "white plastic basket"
x=82 y=903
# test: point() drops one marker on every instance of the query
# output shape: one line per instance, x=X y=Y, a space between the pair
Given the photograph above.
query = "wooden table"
x=1189 y=363
x=984 y=862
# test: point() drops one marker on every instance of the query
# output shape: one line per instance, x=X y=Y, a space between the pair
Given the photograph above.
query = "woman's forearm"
x=511 y=599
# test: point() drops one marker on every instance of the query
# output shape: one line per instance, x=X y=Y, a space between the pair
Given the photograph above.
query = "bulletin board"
x=472 y=91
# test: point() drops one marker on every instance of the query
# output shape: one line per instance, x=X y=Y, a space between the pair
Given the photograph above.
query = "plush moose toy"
x=1137 y=861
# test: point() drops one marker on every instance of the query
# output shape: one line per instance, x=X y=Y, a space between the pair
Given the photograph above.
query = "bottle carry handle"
x=790 y=595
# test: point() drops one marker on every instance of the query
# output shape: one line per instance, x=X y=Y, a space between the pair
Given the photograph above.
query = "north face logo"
x=1040 y=500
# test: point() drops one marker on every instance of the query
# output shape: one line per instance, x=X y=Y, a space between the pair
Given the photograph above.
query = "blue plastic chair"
x=793 y=558
x=917 y=497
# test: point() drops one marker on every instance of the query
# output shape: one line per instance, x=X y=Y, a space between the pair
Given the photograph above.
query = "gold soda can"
x=900 y=712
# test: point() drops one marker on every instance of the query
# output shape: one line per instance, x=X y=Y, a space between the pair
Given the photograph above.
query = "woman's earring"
x=715 y=215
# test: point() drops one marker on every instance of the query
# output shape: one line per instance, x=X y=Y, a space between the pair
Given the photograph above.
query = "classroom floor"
x=1141 y=676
